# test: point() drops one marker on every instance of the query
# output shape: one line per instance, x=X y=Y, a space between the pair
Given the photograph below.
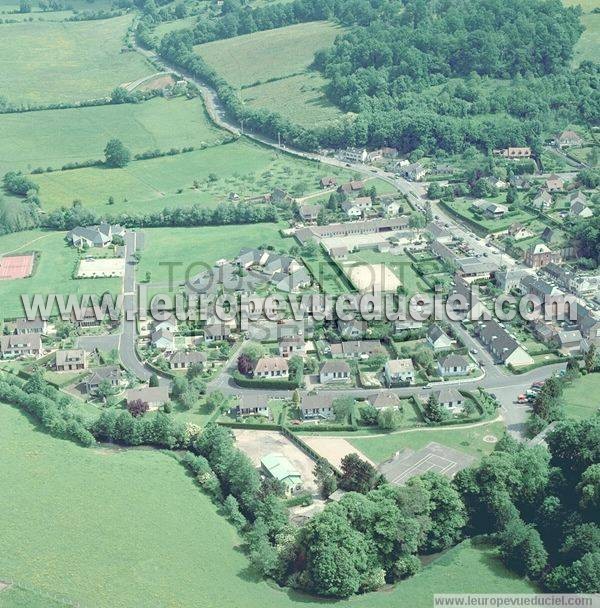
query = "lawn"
x=73 y=61
x=272 y=69
x=463 y=207
x=53 y=274
x=468 y=440
x=582 y=396
x=158 y=123
x=124 y=540
x=193 y=249
x=588 y=46
x=151 y=185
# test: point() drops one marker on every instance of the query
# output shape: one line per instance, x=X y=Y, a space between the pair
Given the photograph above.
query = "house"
x=391 y=206
x=401 y=325
x=510 y=278
x=580 y=209
x=251 y=405
x=453 y=365
x=334 y=371
x=554 y=183
x=85 y=317
x=413 y=172
x=388 y=152
x=162 y=339
x=501 y=345
x=357 y=349
x=438 y=339
x=451 y=399
x=351 y=187
x=70 y=360
x=297 y=280
x=185 y=359
x=550 y=235
x=338 y=253
x=567 y=139
x=545 y=332
x=542 y=200
x=216 y=332
x=281 y=196
x=271 y=367
x=328 y=182
x=94 y=236
x=582 y=284
x=471 y=269
x=464 y=301
x=351 y=210
x=234 y=197
x=540 y=255
x=277 y=466
x=520 y=182
x=399 y=371
x=519 y=232
x=353 y=329
x=439 y=233
x=353 y=155
x=292 y=345
x=25 y=345
x=154 y=396
x=589 y=325
x=309 y=213
x=512 y=152
x=384 y=399
x=168 y=324
x=33 y=326
x=317 y=405
x=539 y=287
x=490 y=210
x=110 y=374
x=568 y=342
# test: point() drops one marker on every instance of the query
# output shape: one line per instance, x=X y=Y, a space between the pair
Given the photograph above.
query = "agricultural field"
x=53 y=272
x=151 y=185
x=577 y=396
x=156 y=124
x=149 y=544
x=272 y=69
x=73 y=61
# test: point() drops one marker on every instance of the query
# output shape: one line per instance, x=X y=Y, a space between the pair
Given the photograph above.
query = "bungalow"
x=317 y=405
x=185 y=359
x=162 y=339
x=334 y=371
x=26 y=345
x=540 y=255
x=438 y=339
x=357 y=349
x=545 y=332
x=167 y=324
x=110 y=374
x=384 y=399
x=154 y=396
x=277 y=466
x=354 y=329
x=251 y=405
x=33 y=326
x=271 y=367
x=281 y=196
x=309 y=213
x=399 y=371
x=216 y=332
x=490 y=210
x=338 y=253
x=502 y=346
x=328 y=182
x=439 y=233
x=569 y=341
x=451 y=399
x=94 y=236
x=542 y=200
x=391 y=206
x=453 y=365
x=520 y=182
x=554 y=183
x=567 y=138
x=292 y=345
x=86 y=317
x=70 y=360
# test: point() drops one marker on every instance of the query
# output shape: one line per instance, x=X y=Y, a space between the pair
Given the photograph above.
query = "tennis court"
x=16 y=266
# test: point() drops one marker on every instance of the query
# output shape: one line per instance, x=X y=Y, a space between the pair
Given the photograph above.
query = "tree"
x=116 y=154
x=105 y=390
x=137 y=407
x=215 y=400
x=342 y=408
x=325 y=477
x=231 y=510
x=522 y=550
x=357 y=474
x=368 y=413
x=434 y=410
x=389 y=418
x=153 y=380
x=254 y=351
x=589 y=488
x=590 y=360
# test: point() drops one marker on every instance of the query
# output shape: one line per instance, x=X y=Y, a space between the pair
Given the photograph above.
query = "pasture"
x=587 y=47
x=73 y=61
x=203 y=176
x=272 y=69
x=53 y=274
x=578 y=396
x=124 y=540
x=158 y=123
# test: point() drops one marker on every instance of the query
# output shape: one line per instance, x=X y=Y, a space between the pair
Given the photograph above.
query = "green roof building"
x=279 y=467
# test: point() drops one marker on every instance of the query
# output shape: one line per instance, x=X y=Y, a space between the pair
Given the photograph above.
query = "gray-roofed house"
x=503 y=347
x=154 y=396
x=70 y=360
x=542 y=200
x=554 y=183
x=309 y=213
x=413 y=172
x=292 y=345
x=453 y=365
x=271 y=367
x=163 y=339
x=357 y=349
x=109 y=373
x=319 y=405
x=568 y=138
x=569 y=341
x=94 y=236
x=399 y=372
x=252 y=405
x=30 y=326
x=184 y=359
x=334 y=371
x=353 y=329
x=384 y=399
x=216 y=332
x=451 y=399
x=25 y=345
x=438 y=339
x=578 y=208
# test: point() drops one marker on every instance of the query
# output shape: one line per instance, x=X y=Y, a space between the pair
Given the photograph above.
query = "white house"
x=399 y=371
x=438 y=339
x=334 y=371
x=453 y=365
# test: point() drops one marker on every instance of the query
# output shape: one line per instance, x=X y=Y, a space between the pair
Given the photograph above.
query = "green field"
x=74 y=61
x=463 y=207
x=194 y=248
x=588 y=46
x=581 y=396
x=57 y=261
x=120 y=528
x=158 y=123
x=468 y=440
x=152 y=185
x=272 y=69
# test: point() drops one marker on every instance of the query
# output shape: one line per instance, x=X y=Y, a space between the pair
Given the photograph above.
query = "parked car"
x=521 y=399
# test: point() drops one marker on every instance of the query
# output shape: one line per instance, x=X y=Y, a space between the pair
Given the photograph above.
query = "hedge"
x=260 y=383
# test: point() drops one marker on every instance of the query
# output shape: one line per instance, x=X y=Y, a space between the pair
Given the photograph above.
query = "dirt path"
x=25 y=244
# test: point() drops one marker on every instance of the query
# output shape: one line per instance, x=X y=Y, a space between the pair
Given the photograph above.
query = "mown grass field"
x=45 y=62
x=116 y=528
x=272 y=69
x=588 y=46
x=53 y=274
x=151 y=185
x=158 y=123
x=581 y=396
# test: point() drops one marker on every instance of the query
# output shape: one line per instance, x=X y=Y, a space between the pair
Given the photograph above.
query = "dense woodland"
x=421 y=75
